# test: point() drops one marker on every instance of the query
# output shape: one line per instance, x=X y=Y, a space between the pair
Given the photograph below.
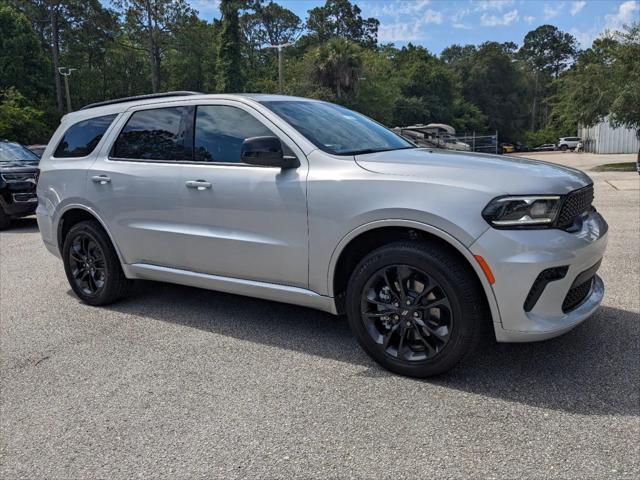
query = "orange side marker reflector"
x=485 y=268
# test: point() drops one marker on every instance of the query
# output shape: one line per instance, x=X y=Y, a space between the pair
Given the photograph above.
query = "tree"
x=604 y=82
x=154 y=22
x=547 y=51
x=497 y=87
x=23 y=65
x=19 y=121
x=230 y=77
x=270 y=24
x=337 y=65
x=339 y=18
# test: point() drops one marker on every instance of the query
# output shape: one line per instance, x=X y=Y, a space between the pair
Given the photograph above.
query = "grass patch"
x=616 y=167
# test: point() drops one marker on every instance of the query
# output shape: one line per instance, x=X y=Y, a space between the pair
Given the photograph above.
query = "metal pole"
x=280 y=65
x=66 y=72
x=280 y=79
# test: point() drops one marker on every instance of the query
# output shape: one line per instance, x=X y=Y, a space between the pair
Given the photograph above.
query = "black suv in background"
x=18 y=178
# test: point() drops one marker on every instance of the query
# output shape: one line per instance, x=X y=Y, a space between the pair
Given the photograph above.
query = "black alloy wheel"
x=416 y=307
x=92 y=264
x=407 y=313
x=87 y=263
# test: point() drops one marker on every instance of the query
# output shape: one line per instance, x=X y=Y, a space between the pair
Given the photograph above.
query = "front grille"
x=576 y=296
x=574 y=205
x=546 y=276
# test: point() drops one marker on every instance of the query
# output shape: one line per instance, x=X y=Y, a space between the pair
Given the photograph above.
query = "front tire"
x=92 y=265
x=564 y=148
x=415 y=309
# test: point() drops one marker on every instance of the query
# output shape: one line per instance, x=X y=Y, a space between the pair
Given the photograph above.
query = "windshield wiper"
x=372 y=150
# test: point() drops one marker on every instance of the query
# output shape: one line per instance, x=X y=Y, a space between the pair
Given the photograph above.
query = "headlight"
x=524 y=211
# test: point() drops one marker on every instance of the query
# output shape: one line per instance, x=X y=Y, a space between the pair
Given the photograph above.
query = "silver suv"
x=568 y=143
x=306 y=202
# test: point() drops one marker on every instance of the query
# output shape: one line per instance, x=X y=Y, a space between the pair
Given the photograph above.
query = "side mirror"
x=266 y=152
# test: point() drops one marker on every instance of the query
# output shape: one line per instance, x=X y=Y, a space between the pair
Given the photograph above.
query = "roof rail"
x=180 y=93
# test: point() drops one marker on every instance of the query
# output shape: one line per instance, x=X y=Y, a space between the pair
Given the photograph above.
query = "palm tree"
x=337 y=65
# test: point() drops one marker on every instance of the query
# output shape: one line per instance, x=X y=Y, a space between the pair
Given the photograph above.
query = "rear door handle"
x=198 y=184
x=101 y=179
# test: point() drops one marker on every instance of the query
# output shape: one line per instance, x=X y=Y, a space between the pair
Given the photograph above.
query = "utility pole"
x=66 y=72
x=280 y=73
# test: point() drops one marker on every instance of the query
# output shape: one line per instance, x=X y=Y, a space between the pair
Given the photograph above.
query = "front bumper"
x=517 y=257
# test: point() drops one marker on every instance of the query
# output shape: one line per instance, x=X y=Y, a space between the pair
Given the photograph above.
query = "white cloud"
x=401 y=32
x=529 y=19
x=395 y=9
x=576 y=7
x=491 y=20
x=486 y=5
x=628 y=12
x=552 y=11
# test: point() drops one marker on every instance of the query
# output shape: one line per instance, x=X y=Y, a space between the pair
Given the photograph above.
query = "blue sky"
x=436 y=24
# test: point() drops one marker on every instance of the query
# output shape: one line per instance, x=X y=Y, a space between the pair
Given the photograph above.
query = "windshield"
x=335 y=129
x=14 y=152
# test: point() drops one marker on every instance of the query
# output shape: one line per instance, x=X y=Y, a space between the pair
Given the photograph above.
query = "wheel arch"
x=361 y=240
x=74 y=214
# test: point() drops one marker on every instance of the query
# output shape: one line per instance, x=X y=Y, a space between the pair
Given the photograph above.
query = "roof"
x=119 y=105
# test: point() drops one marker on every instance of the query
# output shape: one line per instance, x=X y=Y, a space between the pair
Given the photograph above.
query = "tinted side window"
x=158 y=134
x=83 y=137
x=220 y=131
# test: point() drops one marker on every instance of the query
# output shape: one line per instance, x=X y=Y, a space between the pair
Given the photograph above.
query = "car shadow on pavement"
x=22 y=225
x=592 y=370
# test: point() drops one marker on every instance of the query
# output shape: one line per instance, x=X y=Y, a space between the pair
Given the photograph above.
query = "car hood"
x=498 y=174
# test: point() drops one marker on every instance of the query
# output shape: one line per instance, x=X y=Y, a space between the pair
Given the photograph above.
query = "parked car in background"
x=568 y=143
x=307 y=202
x=37 y=149
x=507 y=148
x=433 y=135
x=545 y=147
x=521 y=147
x=18 y=178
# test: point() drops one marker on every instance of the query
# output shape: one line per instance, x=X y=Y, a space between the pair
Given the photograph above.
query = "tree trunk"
x=55 y=51
x=154 y=51
x=533 y=107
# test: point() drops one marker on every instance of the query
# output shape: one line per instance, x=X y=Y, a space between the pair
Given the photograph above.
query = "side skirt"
x=238 y=286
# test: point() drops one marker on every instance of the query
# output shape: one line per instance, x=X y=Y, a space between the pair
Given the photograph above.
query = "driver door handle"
x=198 y=184
x=101 y=179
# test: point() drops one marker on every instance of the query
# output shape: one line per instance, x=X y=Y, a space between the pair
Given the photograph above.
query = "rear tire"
x=431 y=332
x=563 y=148
x=92 y=265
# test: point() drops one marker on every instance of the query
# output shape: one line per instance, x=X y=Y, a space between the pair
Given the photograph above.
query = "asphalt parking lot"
x=186 y=383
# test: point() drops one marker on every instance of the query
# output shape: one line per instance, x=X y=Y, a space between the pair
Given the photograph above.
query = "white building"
x=603 y=138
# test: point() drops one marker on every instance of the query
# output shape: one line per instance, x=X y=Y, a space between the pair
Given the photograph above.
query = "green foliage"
x=230 y=76
x=537 y=93
x=339 y=18
x=604 y=81
x=545 y=135
x=19 y=121
x=548 y=49
x=23 y=64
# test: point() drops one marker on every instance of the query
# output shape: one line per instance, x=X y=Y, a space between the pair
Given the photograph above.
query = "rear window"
x=156 y=134
x=83 y=137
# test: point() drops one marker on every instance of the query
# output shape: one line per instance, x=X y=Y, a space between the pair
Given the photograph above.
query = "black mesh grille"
x=576 y=296
x=576 y=203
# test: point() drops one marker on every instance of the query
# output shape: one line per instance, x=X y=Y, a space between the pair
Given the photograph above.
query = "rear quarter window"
x=81 y=138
